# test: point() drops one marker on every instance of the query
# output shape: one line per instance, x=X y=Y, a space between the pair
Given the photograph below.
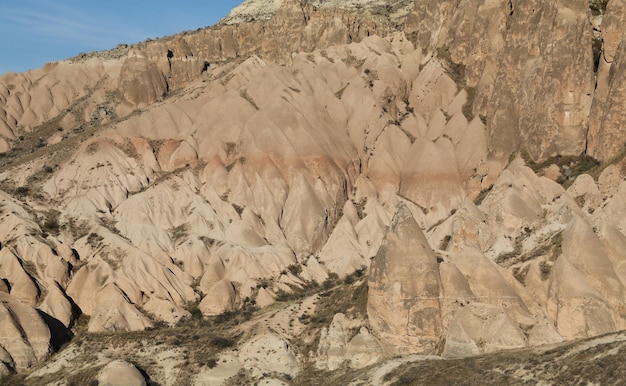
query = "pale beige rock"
x=307 y=213
x=23 y=287
x=609 y=180
x=488 y=328
x=471 y=150
x=272 y=382
x=57 y=305
x=575 y=306
x=371 y=229
x=314 y=271
x=612 y=29
x=336 y=348
x=141 y=81
x=455 y=128
x=24 y=335
x=332 y=349
x=47 y=263
x=385 y=165
x=214 y=272
x=5 y=359
x=490 y=298
x=436 y=125
x=264 y=298
x=515 y=200
x=364 y=349
x=468 y=228
x=277 y=127
x=29 y=103
x=490 y=37
x=221 y=297
x=585 y=190
x=458 y=343
x=118 y=373
x=115 y=312
x=430 y=177
x=432 y=89
x=342 y=253
x=404 y=287
x=268 y=352
x=192 y=255
x=584 y=302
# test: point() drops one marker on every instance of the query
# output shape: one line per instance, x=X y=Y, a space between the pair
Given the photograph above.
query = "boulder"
x=120 y=373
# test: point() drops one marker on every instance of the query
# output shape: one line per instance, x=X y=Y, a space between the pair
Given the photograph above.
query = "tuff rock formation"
x=120 y=372
x=309 y=188
x=404 y=286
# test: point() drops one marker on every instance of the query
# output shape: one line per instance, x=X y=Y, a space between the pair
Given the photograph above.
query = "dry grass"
x=550 y=248
x=179 y=233
x=198 y=344
x=600 y=365
x=573 y=166
x=349 y=298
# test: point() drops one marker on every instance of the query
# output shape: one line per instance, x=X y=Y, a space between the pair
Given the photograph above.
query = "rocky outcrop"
x=322 y=141
x=404 y=287
x=606 y=139
x=509 y=55
x=141 y=82
x=222 y=298
x=117 y=373
x=336 y=347
x=25 y=337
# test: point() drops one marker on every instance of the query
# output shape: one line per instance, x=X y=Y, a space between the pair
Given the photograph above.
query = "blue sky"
x=35 y=32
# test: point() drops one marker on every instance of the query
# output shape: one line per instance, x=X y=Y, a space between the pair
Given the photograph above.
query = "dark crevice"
x=205 y=67
x=59 y=334
x=7 y=284
x=597 y=45
x=170 y=55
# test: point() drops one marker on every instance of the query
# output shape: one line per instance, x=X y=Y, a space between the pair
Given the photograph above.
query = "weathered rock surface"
x=307 y=144
x=25 y=337
x=117 y=373
x=141 y=82
x=605 y=140
x=266 y=353
x=221 y=298
x=404 y=287
x=337 y=347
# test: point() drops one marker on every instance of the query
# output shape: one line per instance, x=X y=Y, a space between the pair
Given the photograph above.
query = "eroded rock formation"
x=404 y=287
x=298 y=145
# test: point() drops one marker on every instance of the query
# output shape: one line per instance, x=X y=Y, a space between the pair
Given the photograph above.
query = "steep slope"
x=273 y=160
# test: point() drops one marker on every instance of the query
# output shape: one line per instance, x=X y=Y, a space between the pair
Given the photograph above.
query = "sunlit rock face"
x=392 y=150
x=404 y=287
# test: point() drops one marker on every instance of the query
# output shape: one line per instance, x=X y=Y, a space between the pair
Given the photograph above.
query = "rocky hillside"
x=310 y=188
